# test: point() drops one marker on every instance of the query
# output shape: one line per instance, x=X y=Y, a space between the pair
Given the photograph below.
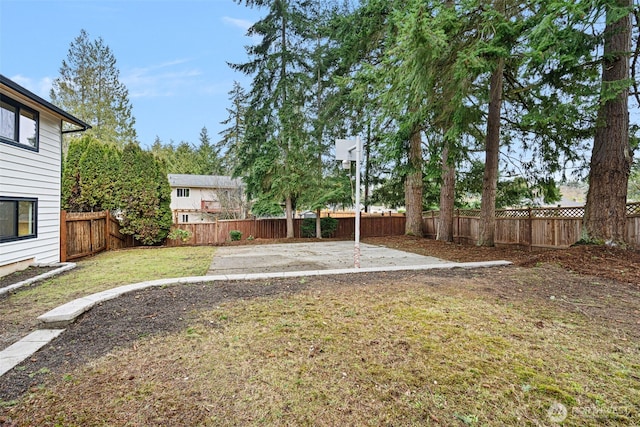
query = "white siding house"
x=203 y=198
x=30 y=163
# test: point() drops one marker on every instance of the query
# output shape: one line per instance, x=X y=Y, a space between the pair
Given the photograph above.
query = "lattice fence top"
x=512 y=213
x=633 y=209
x=468 y=212
x=571 y=212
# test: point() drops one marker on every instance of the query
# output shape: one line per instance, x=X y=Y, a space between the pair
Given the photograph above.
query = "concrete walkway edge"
x=65 y=314
x=19 y=351
x=62 y=267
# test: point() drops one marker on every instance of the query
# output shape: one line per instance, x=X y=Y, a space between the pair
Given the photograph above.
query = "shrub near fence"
x=217 y=233
x=533 y=227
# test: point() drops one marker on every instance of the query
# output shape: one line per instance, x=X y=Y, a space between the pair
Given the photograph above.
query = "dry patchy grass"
x=395 y=354
x=106 y=270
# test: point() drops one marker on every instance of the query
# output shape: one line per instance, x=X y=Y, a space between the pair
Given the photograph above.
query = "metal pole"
x=356 y=249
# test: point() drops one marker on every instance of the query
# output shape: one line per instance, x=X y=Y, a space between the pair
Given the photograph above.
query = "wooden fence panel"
x=508 y=231
x=346 y=228
x=84 y=234
x=78 y=242
x=87 y=233
x=384 y=226
x=633 y=231
x=116 y=239
x=429 y=227
x=468 y=229
x=545 y=227
x=536 y=227
x=203 y=234
x=569 y=231
x=219 y=232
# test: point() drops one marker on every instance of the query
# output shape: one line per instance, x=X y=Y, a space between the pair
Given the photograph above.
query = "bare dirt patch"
x=601 y=261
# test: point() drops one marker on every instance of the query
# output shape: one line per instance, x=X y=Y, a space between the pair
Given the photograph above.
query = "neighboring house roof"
x=204 y=181
x=46 y=104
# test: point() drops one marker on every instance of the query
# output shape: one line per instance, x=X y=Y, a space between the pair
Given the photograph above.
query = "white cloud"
x=160 y=80
x=40 y=87
x=243 y=24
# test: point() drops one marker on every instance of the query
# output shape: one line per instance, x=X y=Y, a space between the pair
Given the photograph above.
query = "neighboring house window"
x=18 y=124
x=183 y=192
x=185 y=218
x=18 y=218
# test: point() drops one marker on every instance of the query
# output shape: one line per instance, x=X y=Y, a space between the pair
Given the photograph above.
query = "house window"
x=17 y=218
x=185 y=218
x=18 y=124
x=183 y=192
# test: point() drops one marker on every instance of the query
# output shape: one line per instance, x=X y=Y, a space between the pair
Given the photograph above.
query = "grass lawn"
x=103 y=271
x=382 y=353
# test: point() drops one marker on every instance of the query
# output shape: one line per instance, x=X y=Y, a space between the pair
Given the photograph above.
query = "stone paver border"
x=62 y=267
x=19 y=351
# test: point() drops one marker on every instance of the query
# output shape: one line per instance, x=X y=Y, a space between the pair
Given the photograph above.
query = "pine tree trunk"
x=413 y=186
x=447 y=192
x=605 y=210
x=318 y=224
x=490 y=179
x=289 y=212
x=444 y=229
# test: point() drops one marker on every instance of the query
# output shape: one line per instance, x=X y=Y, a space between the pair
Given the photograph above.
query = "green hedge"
x=328 y=225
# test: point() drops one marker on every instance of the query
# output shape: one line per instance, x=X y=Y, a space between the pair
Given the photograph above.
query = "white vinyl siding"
x=31 y=174
x=190 y=217
x=186 y=203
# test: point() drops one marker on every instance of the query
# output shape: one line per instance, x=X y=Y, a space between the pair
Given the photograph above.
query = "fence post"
x=107 y=230
x=530 y=230
x=63 y=236
x=91 y=236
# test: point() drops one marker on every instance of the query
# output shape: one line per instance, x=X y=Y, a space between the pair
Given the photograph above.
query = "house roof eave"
x=46 y=104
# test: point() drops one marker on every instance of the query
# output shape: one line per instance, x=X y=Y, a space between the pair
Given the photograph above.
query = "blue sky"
x=172 y=55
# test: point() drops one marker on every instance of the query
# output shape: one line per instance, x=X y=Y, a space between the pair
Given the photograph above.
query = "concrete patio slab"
x=309 y=257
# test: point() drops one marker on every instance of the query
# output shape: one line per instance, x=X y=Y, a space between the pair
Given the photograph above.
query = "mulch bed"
x=22 y=275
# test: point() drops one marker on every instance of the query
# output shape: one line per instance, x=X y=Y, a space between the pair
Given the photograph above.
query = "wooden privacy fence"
x=87 y=233
x=84 y=234
x=217 y=233
x=532 y=227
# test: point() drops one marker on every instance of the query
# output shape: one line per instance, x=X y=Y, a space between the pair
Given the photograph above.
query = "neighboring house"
x=205 y=198
x=30 y=162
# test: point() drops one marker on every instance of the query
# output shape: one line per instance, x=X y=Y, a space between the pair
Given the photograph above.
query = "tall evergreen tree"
x=184 y=160
x=89 y=88
x=99 y=170
x=328 y=185
x=611 y=157
x=72 y=197
x=89 y=178
x=144 y=196
x=234 y=134
x=583 y=68
x=273 y=160
x=98 y=176
x=375 y=99
x=208 y=156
